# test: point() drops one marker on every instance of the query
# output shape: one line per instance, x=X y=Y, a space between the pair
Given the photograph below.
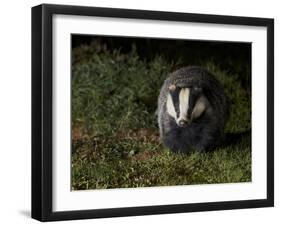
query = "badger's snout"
x=182 y=123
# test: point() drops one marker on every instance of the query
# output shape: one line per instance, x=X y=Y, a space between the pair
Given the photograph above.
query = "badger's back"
x=206 y=132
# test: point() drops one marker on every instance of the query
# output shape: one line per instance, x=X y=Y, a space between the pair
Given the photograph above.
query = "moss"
x=115 y=140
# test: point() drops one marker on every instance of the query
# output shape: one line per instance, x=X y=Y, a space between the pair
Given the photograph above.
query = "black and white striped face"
x=185 y=104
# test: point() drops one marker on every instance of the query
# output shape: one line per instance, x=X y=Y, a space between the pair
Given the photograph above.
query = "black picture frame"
x=42 y=111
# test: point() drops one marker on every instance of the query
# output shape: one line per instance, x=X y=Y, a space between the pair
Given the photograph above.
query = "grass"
x=115 y=139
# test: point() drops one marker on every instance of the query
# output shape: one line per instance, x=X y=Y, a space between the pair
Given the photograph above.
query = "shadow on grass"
x=233 y=139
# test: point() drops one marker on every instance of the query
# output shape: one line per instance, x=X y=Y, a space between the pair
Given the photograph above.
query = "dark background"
x=235 y=58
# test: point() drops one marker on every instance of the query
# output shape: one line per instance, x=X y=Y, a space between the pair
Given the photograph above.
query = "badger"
x=192 y=110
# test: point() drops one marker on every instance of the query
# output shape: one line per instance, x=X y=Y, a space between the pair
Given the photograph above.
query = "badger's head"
x=186 y=104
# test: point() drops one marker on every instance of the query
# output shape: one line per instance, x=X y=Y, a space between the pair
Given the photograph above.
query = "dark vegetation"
x=115 y=140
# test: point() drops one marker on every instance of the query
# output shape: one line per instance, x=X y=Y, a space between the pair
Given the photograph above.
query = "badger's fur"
x=192 y=110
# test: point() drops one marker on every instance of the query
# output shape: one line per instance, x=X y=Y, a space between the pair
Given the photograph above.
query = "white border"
x=64 y=199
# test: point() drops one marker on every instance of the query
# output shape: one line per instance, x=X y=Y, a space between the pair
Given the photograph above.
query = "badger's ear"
x=172 y=87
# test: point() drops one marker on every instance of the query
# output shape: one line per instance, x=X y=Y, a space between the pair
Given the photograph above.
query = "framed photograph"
x=146 y=112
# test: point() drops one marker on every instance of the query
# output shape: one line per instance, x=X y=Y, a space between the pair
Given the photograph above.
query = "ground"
x=115 y=138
